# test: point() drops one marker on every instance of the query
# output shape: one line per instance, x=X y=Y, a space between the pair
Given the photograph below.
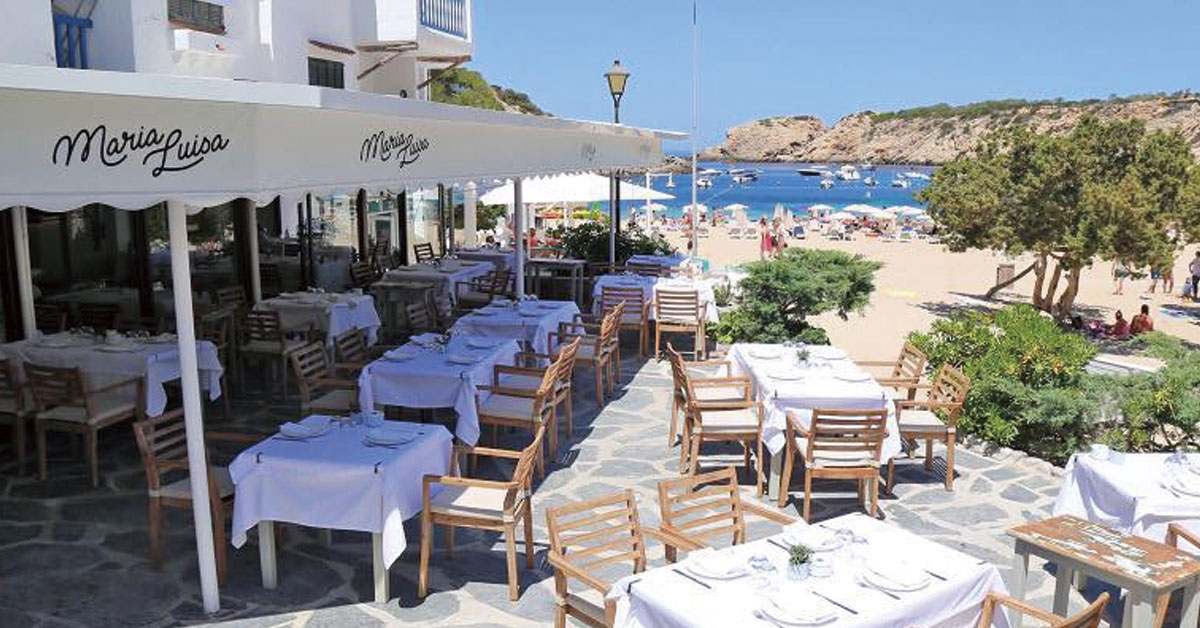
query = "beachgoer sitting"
x=1120 y=328
x=1141 y=323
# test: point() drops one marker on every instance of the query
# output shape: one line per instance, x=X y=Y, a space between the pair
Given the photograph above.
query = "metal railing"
x=446 y=16
x=70 y=41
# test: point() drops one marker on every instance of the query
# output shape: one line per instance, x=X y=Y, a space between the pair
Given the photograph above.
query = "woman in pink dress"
x=764 y=239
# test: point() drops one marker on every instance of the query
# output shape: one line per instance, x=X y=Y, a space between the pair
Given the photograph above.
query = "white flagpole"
x=695 y=115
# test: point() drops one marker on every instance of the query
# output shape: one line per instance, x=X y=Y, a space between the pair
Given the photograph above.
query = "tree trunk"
x=1052 y=288
x=1040 y=270
x=1067 y=302
x=1017 y=277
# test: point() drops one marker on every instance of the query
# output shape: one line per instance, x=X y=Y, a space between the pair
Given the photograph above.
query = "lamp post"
x=617 y=77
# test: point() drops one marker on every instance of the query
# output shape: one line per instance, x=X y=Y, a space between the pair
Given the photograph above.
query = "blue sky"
x=761 y=58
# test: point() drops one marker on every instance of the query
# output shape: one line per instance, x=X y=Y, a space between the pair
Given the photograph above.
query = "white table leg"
x=1020 y=575
x=380 y=571
x=1191 y=604
x=776 y=472
x=1062 y=589
x=1138 y=610
x=266 y=554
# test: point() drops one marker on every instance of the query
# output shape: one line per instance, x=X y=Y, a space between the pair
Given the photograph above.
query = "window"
x=326 y=73
x=197 y=14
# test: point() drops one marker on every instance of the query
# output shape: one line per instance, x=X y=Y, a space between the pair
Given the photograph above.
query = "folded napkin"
x=814 y=537
x=391 y=435
x=301 y=430
x=402 y=353
x=718 y=564
x=899 y=571
x=800 y=605
x=423 y=339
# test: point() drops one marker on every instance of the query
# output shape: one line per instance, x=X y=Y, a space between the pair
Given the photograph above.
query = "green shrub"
x=589 y=241
x=778 y=296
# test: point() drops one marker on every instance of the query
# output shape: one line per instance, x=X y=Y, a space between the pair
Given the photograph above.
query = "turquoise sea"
x=780 y=183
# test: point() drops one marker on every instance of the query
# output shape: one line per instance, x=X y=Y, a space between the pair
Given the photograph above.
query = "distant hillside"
x=938 y=133
x=468 y=88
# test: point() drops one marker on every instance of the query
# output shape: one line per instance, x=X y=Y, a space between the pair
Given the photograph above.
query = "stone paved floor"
x=75 y=556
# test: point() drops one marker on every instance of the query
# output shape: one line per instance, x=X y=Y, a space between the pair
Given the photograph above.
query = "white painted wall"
x=28 y=34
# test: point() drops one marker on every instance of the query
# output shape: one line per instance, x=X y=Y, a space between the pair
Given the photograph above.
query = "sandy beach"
x=920 y=281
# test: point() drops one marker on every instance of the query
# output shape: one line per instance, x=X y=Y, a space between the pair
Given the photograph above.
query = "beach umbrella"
x=734 y=208
x=778 y=213
x=862 y=210
x=817 y=210
x=700 y=207
x=911 y=212
x=569 y=188
x=842 y=216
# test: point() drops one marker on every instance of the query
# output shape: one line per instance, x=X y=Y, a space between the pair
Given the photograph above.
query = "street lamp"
x=617 y=77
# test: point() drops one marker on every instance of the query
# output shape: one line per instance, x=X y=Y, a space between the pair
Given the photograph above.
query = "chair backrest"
x=162 y=441
x=423 y=252
x=598 y=532
x=1089 y=617
x=231 y=296
x=350 y=347
x=99 y=316
x=846 y=433
x=677 y=305
x=49 y=317
x=362 y=275
x=951 y=386
x=500 y=283
x=610 y=327
x=566 y=357
x=262 y=326
x=214 y=327
x=702 y=506
x=53 y=386
x=10 y=387
x=309 y=362
x=523 y=473
x=645 y=270
x=270 y=281
x=633 y=298
x=418 y=317
x=910 y=364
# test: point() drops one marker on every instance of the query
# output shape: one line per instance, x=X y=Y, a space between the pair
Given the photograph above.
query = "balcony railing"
x=70 y=41
x=445 y=16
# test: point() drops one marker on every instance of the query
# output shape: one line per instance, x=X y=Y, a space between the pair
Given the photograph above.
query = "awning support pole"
x=612 y=219
x=519 y=236
x=252 y=229
x=20 y=227
x=470 y=221
x=192 y=415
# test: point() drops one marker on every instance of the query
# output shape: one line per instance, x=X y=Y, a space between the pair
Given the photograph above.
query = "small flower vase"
x=798 y=572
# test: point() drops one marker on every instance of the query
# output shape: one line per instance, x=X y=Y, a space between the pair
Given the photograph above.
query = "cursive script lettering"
x=403 y=148
x=167 y=151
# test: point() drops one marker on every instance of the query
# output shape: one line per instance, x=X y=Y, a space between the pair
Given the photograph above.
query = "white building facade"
x=378 y=46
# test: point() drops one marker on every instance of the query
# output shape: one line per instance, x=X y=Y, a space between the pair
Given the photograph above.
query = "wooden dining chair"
x=418 y=317
x=65 y=402
x=707 y=505
x=529 y=378
x=216 y=327
x=644 y=270
x=482 y=290
x=905 y=371
x=598 y=533
x=532 y=410
x=230 y=296
x=679 y=311
x=270 y=280
x=162 y=442
x=734 y=417
x=350 y=349
x=14 y=410
x=362 y=275
x=636 y=315
x=698 y=370
x=423 y=251
x=837 y=445
x=483 y=505
x=324 y=388
x=934 y=418
x=1175 y=533
x=49 y=318
x=1089 y=617
x=598 y=349
x=263 y=338
x=99 y=316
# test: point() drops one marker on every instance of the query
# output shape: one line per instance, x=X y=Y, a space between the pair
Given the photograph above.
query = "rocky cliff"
x=932 y=135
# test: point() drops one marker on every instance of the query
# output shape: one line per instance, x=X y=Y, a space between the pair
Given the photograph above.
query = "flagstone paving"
x=73 y=556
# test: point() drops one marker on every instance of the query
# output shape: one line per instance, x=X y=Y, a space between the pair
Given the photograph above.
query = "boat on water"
x=670 y=180
x=900 y=183
x=848 y=173
x=736 y=171
x=826 y=183
x=871 y=181
x=916 y=175
x=704 y=182
x=745 y=177
x=813 y=172
x=867 y=166
x=710 y=172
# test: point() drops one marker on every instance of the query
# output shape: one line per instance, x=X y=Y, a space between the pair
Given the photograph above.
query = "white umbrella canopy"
x=909 y=212
x=842 y=216
x=570 y=188
x=862 y=210
x=655 y=207
x=734 y=207
x=701 y=207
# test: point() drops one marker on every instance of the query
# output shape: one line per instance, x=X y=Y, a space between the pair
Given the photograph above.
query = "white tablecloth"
x=501 y=258
x=446 y=276
x=820 y=388
x=430 y=381
x=678 y=260
x=661 y=598
x=651 y=285
x=335 y=482
x=533 y=326
x=158 y=363
x=333 y=314
x=1126 y=495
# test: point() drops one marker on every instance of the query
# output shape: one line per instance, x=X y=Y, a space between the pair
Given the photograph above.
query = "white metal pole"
x=20 y=226
x=649 y=213
x=470 y=222
x=519 y=234
x=252 y=228
x=613 y=216
x=192 y=417
x=695 y=116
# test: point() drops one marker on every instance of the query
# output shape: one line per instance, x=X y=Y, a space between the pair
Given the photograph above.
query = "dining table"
x=361 y=474
x=500 y=258
x=863 y=573
x=437 y=371
x=674 y=261
x=107 y=360
x=1140 y=494
x=330 y=313
x=650 y=287
x=800 y=378
x=443 y=275
x=529 y=321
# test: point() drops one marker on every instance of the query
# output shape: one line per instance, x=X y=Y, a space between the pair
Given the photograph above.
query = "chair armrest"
x=517 y=370
x=347 y=367
x=717 y=382
x=875 y=362
x=449 y=480
x=491 y=452
x=767 y=513
x=928 y=405
x=1176 y=531
x=1022 y=607
x=673 y=539
x=571 y=571
x=794 y=423
x=234 y=437
x=898 y=382
x=508 y=392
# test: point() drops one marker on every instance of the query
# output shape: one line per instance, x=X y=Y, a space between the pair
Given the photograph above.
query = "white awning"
x=72 y=137
x=570 y=188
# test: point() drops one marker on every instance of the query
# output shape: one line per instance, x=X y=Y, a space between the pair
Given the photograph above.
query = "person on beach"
x=1120 y=327
x=1119 y=273
x=1141 y=323
x=764 y=239
x=777 y=241
x=1194 y=270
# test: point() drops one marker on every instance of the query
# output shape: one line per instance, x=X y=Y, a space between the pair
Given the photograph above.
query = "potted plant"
x=802 y=357
x=799 y=561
